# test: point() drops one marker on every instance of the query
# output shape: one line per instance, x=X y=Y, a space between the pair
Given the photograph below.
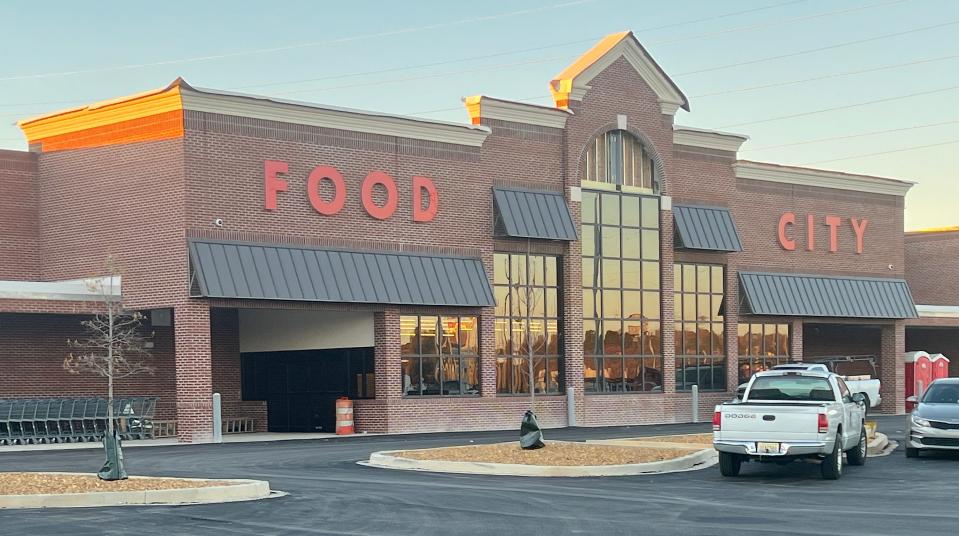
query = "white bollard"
x=695 y=403
x=217 y=419
x=570 y=406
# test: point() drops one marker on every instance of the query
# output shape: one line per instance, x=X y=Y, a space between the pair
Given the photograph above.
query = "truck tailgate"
x=773 y=422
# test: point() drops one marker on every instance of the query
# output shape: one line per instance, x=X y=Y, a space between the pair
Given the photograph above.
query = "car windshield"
x=791 y=387
x=941 y=393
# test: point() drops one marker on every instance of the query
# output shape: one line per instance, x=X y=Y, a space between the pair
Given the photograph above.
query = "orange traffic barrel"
x=344 y=416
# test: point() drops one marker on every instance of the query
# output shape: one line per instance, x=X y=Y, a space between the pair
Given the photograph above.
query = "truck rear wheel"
x=729 y=464
x=832 y=464
x=857 y=456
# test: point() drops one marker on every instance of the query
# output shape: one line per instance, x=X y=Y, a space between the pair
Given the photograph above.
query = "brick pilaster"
x=572 y=318
x=487 y=350
x=667 y=310
x=194 y=372
x=796 y=340
x=386 y=353
x=892 y=371
x=731 y=326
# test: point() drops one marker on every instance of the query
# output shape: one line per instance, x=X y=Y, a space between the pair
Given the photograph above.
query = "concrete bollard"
x=217 y=419
x=695 y=403
x=570 y=406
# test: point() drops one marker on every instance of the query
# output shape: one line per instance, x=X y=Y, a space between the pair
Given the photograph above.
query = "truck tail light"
x=717 y=421
x=823 y=424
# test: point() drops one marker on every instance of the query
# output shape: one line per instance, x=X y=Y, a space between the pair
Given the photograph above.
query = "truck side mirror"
x=859 y=398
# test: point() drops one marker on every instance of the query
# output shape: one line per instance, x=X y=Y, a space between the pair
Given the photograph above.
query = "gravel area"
x=554 y=453
x=51 y=483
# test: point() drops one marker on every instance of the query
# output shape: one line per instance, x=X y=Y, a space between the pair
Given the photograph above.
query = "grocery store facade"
x=286 y=254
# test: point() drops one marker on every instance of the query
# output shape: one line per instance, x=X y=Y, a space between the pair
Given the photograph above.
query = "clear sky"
x=419 y=57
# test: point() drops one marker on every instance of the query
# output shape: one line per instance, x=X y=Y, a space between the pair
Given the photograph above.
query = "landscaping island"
x=51 y=490
x=628 y=456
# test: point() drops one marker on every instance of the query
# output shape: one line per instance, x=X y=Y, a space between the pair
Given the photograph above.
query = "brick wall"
x=19 y=224
x=931 y=268
x=32 y=350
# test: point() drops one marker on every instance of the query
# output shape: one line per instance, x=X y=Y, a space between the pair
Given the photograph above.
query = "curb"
x=236 y=490
x=388 y=460
x=878 y=445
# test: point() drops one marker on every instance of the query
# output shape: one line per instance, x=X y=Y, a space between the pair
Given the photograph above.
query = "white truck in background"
x=859 y=373
x=787 y=415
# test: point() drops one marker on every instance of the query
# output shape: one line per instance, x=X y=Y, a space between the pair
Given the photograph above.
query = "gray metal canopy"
x=280 y=272
x=534 y=214
x=705 y=228
x=816 y=295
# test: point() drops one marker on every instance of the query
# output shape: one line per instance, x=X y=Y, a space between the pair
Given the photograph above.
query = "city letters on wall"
x=425 y=201
x=789 y=235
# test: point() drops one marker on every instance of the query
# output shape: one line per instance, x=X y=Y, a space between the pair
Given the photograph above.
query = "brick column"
x=795 y=340
x=731 y=325
x=487 y=350
x=388 y=369
x=194 y=372
x=667 y=311
x=892 y=370
x=572 y=317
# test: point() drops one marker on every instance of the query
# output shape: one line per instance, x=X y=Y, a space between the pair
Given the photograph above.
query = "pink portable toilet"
x=940 y=366
x=918 y=374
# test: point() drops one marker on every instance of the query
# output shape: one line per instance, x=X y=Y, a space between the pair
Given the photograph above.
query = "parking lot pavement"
x=331 y=494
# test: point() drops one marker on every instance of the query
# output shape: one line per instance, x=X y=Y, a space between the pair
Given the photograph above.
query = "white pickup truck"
x=845 y=367
x=786 y=415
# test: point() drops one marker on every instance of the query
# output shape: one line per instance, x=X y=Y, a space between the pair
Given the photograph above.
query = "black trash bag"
x=113 y=466
x=530 y=436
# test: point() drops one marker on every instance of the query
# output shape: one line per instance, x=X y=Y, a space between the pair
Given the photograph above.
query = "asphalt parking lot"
x=331 y=494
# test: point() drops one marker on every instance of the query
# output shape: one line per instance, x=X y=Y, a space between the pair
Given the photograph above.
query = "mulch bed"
x=692 y=439
x=50 y=483
x=552 y=454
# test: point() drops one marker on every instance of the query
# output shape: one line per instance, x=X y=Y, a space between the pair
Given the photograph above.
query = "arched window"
x=618 y=157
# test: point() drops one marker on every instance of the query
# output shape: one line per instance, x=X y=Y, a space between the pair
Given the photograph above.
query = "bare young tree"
x=528 y=295
x=114 y=346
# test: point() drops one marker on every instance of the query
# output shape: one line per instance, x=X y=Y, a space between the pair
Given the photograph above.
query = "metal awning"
x=280 y=272
x=705 y=228
x=816 y=295
x=533 y=214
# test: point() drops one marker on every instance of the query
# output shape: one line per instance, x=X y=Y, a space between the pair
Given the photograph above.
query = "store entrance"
x=300 y=387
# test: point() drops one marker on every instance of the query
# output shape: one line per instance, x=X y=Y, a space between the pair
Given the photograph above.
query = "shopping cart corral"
x=26 y=421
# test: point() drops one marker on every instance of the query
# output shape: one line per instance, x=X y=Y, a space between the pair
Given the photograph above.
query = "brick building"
x=289 y=253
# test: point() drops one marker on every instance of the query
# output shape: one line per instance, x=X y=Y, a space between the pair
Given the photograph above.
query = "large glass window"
x=761 y=347
x=617 y=157
x=440 y=355
x=700 y=340
x=621 y=296
x=527 y=318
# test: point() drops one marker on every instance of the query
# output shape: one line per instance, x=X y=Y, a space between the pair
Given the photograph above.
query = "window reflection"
x=439 y=355
x=700 y=335
x=761 y=347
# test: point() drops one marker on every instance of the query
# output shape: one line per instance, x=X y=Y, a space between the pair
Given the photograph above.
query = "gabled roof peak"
x=573 y=81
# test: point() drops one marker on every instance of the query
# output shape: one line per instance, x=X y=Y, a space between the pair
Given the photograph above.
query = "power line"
x=388 y=33
x=849 y=136
x=817 y=49
x=825 y=77
x=878 y=153
x=769 y=24
x=843 y=107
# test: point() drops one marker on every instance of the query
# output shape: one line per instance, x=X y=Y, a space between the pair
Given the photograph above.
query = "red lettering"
x=810 y=233
x=366 y=193
x=833 y=223
x=421 y=214
x=787 y=243
x=334 y=205
x=859 y=227
x=272 y=183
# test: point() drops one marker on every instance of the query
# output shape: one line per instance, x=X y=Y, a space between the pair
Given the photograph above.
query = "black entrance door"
x=301 y=387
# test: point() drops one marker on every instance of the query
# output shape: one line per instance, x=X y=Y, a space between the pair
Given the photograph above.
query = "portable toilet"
x=940 y=366
x=918 y=374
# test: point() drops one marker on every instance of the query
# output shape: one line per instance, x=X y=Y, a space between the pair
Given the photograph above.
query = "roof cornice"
x=708 y=139
x=482 y=107
x=820 y=178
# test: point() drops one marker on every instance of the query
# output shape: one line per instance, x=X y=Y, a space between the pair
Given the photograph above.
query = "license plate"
x=767 y=448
